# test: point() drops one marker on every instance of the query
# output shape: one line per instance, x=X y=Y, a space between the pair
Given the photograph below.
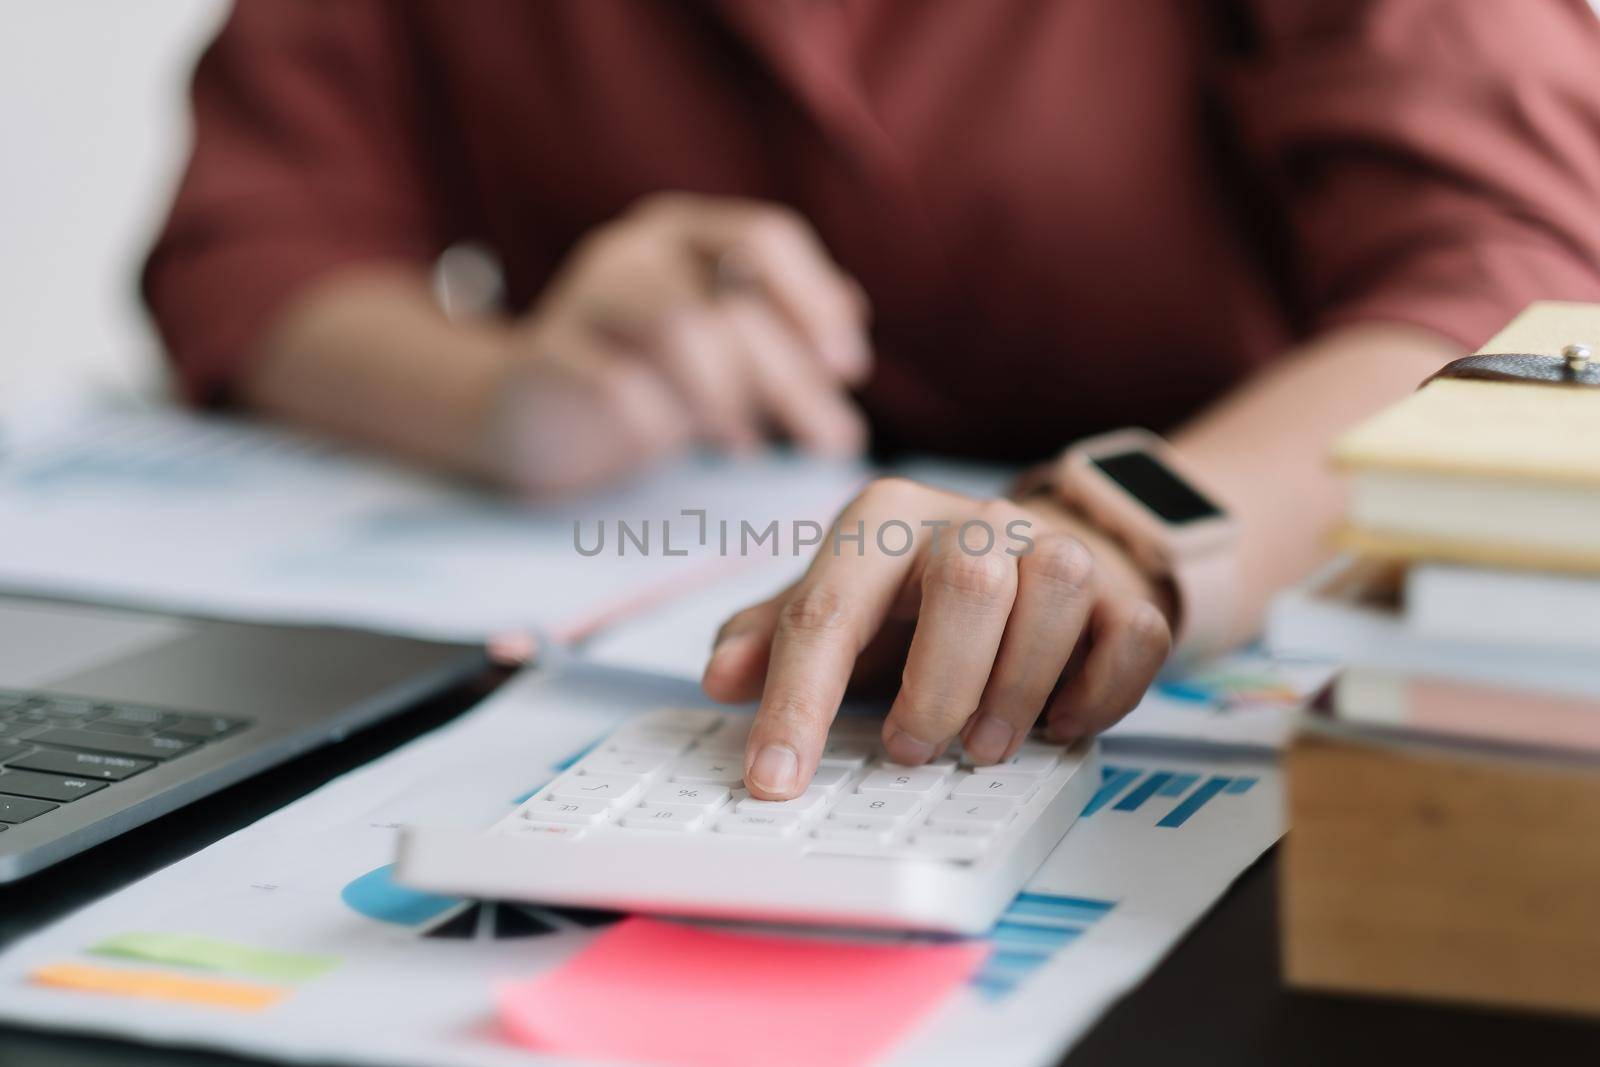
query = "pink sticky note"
x=684 y=996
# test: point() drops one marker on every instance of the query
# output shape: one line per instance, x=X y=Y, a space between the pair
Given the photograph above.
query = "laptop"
x=112 y=717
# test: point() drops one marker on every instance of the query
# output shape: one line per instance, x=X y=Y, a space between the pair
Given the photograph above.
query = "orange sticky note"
x=683 y=996
x=159 y=985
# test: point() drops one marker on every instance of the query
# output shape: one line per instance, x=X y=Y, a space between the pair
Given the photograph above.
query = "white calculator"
x=655 y=819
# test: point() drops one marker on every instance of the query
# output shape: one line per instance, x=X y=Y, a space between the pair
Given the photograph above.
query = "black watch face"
x=1149 y=481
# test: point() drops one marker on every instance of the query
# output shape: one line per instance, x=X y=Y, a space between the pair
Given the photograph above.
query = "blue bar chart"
x=1033 y=929
x=1132 y=789
x=1113 y=781
x=1193 y=802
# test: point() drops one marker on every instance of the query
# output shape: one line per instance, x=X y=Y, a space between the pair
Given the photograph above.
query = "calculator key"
x=723 y=747
x=847 y=752
x=611 y=788
x=642 y=764
x=811 y=802
x=21 y=809
x=943 y=765
x=759 y=824
x=116 y=744
x=719 y=770
x=830 y=778
x=860 y=831
x=917 y=781
x=575 y=811
x=950 y=843
x=644 y=739
x=688 y=720
x=687 y=795
x=726 y=740
x=81 y=764
x=1014 y=787
x=857 y=727
x=548 y=831
x=47 y=786
x=874 y=807
x=969 y=811
x=976 y=831
x=664 y=818
x=1029 y=759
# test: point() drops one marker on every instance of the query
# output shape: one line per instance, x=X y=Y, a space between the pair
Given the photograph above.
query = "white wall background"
x=93 y=127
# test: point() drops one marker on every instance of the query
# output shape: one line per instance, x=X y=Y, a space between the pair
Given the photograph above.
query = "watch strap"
x=1206 y=583
x=1207 y=587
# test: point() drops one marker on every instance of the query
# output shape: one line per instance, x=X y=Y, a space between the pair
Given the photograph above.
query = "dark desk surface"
x=1216 y=1000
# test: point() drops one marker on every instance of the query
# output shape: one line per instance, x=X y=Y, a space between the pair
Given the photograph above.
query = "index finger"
x=822 y=626
x=784 y=256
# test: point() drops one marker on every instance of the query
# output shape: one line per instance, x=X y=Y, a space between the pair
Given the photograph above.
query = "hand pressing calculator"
x=655 y=819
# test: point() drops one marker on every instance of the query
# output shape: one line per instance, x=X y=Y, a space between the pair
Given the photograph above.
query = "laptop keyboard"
x=54 y=750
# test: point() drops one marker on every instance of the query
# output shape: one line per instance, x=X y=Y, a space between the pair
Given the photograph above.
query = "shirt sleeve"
x=1438 y=160
x=308 y=155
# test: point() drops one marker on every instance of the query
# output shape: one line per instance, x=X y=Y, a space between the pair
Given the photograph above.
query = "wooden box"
x=1442 y=873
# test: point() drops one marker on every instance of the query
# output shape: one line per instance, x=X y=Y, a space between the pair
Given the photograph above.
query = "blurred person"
x=985 y=228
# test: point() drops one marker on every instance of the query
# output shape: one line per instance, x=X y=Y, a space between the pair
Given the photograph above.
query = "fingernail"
x=774 y=769
x=903 y=748
x=991 y=737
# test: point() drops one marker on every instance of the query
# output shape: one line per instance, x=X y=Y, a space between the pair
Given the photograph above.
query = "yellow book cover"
x=1485 y=472
x=1496 y=430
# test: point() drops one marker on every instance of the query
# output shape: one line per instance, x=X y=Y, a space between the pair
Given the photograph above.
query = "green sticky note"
x=191 y=950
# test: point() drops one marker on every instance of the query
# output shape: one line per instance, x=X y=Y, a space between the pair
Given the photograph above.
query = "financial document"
x=290 y=940
x=170 y=509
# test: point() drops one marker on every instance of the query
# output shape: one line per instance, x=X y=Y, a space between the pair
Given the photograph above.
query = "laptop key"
x=146 y=717
x=19 y=730
x=77 y=709
x=126 y=729
x=82 y=764
x=21 y=809
x=116 y=744
x=200 y=727
x=46 y=786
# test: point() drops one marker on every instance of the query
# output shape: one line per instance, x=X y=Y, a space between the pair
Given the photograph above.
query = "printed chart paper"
x=412 y=978
x=194 y=513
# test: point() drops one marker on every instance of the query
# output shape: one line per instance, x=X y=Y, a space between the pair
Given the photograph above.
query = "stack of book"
x=1445 y=788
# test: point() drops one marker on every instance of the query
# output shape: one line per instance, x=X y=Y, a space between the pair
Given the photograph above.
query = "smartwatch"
x=1133 y=486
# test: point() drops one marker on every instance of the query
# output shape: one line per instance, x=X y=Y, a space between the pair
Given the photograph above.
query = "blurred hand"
x=688 y=319
x=984 y=634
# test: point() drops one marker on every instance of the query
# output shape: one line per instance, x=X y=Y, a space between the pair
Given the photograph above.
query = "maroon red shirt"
x=1069 y=214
